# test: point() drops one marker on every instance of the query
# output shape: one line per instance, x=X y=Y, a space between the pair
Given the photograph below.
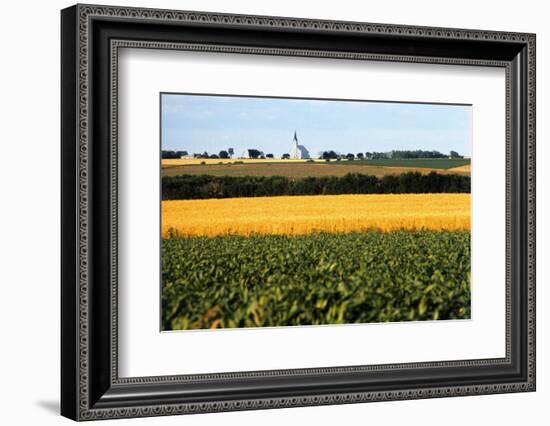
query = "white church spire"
x=298 y=152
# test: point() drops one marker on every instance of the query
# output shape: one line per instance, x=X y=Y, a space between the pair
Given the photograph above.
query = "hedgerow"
x=207 y=186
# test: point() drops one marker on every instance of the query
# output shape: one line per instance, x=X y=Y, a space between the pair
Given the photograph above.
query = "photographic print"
x=351 y=204
x=299 y=212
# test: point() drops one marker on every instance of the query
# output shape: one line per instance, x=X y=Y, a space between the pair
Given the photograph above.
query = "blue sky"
x=198 y=123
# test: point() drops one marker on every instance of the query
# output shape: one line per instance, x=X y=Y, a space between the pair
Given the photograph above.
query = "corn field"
x=315 y=279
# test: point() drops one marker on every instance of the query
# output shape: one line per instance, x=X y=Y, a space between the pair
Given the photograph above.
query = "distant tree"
x=286 y=156
x=168 y=154
x=360 y=155
x=254 y=153
x=455 y=154
x=398 y=155
x=329 y=155
x=368 y=155
x=223 y=154
x=214 y=156
x=205 y=155
x=380 y=155
x=231 y=152
x=173 y=154
x=350 y=156
x=269 y=156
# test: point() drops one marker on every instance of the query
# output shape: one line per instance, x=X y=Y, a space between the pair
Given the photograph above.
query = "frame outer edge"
x=531 y=201
x=83 y=176
x=81 y=340
x=69 y=221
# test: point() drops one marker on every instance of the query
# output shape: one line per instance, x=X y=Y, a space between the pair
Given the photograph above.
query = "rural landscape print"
x=297 y=212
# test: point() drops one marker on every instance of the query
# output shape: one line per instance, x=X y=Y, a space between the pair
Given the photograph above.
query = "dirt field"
x=461 y=169
x=297 y=169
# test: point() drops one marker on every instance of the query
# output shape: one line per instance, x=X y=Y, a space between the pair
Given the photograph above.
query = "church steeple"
x=298 y=152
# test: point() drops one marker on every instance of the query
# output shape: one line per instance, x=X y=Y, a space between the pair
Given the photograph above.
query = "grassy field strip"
x=298 y=215
x=431 y=163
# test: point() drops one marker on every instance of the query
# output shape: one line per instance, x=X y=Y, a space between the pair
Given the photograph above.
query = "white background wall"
x=29 y=225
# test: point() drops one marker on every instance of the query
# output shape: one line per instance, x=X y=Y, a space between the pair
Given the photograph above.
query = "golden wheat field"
x=197 y=161
x=297 y=215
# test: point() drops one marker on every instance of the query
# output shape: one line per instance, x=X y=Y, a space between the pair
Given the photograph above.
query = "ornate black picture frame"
x=91 y=36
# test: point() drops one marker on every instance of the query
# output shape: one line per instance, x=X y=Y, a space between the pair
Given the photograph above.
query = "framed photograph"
x=263 y=212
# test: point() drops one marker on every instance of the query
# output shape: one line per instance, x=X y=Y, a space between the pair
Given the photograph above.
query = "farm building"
x=298 y=152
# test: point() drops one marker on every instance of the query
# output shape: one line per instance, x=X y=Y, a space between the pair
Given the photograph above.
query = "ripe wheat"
x=299 y=215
